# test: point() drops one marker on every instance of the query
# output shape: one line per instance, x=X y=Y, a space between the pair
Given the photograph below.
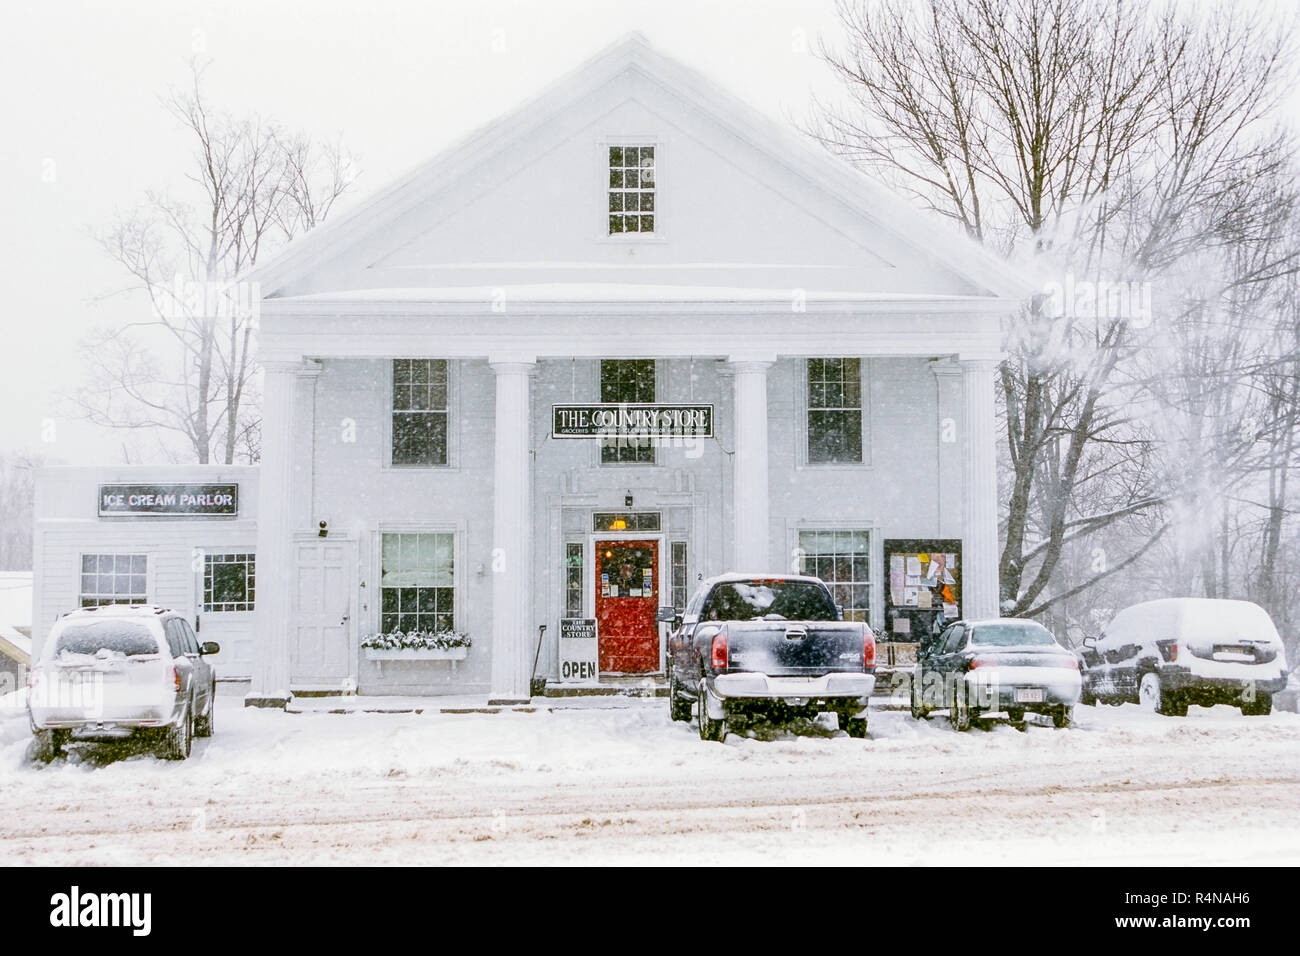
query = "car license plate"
x=1029 y=695
x=1234 y=649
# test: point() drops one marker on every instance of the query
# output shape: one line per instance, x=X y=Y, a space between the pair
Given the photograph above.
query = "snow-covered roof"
x=15 y=645
x=609 y=292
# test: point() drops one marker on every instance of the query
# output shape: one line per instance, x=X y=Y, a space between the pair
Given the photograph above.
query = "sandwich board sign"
x=578 y=662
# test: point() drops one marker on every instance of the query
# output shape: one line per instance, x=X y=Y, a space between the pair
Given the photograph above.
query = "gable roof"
x=904 y=223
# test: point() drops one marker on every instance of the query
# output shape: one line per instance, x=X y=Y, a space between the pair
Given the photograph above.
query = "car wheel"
x=1149 y=692
x=919 y=710
x=1261 y=706
x=959 y=712
x=1153 y=696
x=678 y=709
x=710 y=729
x=1062 y=716
x=203 y=726
x=179 y=738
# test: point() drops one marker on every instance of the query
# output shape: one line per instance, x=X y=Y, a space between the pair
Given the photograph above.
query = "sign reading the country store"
x=649 y=420
x=578 y=650
x=186 y=500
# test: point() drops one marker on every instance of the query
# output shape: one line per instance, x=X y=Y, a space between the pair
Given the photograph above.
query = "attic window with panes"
x=631 y=189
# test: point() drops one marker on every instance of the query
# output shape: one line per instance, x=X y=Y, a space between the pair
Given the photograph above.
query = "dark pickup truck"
x=767 y=647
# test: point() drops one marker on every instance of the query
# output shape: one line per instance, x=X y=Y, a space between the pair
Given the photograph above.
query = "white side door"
x=225 y=583
x=323 y=613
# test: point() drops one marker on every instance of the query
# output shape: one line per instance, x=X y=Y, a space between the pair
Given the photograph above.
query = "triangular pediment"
x=739 y=203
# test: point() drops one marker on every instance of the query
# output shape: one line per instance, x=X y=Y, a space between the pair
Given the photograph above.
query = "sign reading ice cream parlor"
x=186 y=500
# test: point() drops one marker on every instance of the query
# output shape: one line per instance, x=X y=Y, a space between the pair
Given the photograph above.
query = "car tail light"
x=982 y=662
x=176 y=679
x=33 y=678
x=868 y=647
x=718 y=651
x=1071 y=662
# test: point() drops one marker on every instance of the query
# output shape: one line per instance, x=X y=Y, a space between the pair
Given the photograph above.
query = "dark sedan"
x=974 y=669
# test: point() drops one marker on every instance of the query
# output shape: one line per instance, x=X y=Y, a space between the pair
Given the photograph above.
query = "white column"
x=750 y=524
x=513 y=630
x=304 y=444
x=949 y=399
x=980 y=533
x=275 y=526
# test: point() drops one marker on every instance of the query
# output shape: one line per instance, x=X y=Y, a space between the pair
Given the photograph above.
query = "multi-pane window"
x=678 y=575
x=631 y=189
x=228 y=582
x=417 y=583
x=843 y=560
x=573 y=579
x=834 y=410
x=627 y=380
x=113 y=579
x=419 y=411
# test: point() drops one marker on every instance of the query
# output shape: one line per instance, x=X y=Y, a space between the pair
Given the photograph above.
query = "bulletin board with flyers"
x=924 y=585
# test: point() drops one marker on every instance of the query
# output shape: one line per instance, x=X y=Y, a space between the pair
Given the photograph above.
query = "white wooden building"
x=804 y=365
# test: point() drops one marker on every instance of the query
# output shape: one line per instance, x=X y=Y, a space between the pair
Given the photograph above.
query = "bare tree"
x=187 y=369
x=1093 y=141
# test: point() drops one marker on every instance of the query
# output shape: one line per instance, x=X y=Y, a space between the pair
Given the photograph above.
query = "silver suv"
x=119 y=671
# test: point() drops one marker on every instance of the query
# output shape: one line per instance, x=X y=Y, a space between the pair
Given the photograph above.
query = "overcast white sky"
x=397 y=81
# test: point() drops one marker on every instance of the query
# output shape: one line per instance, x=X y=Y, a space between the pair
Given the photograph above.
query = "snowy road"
x=619 y=782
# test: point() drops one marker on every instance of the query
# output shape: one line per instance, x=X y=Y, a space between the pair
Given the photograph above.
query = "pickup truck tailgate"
x=804 y=649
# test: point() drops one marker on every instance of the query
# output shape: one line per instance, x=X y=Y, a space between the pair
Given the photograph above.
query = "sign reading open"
x=578 y=650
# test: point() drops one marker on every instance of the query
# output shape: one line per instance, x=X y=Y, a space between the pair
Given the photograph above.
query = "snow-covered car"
x=767 y=647
x=120 y=671
x=975 y=669
x=1169 y=653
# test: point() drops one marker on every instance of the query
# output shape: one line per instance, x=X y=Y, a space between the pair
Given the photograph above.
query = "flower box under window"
x=416 y=654
x=416 y=646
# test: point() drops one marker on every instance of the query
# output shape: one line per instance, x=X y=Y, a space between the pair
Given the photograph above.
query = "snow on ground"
x=615 y=781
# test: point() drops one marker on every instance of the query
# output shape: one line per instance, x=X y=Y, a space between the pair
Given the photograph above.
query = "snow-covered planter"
x=416 y=646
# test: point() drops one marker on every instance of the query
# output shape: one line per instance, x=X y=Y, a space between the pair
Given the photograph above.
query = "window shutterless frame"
x=650 y=460
x=113 y=578
x=453 y=416
x=602 y=181
x=373 y=593
x=876 y=575
x=803 y=407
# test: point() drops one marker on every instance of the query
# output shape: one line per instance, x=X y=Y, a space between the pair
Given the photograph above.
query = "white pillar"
x=513 y=631
x=275 y=526
x=949 y=399
x=749 y=467
x=304 y=444
x=980 y=533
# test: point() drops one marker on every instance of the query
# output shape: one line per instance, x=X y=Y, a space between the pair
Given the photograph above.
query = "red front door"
x=627 y=593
